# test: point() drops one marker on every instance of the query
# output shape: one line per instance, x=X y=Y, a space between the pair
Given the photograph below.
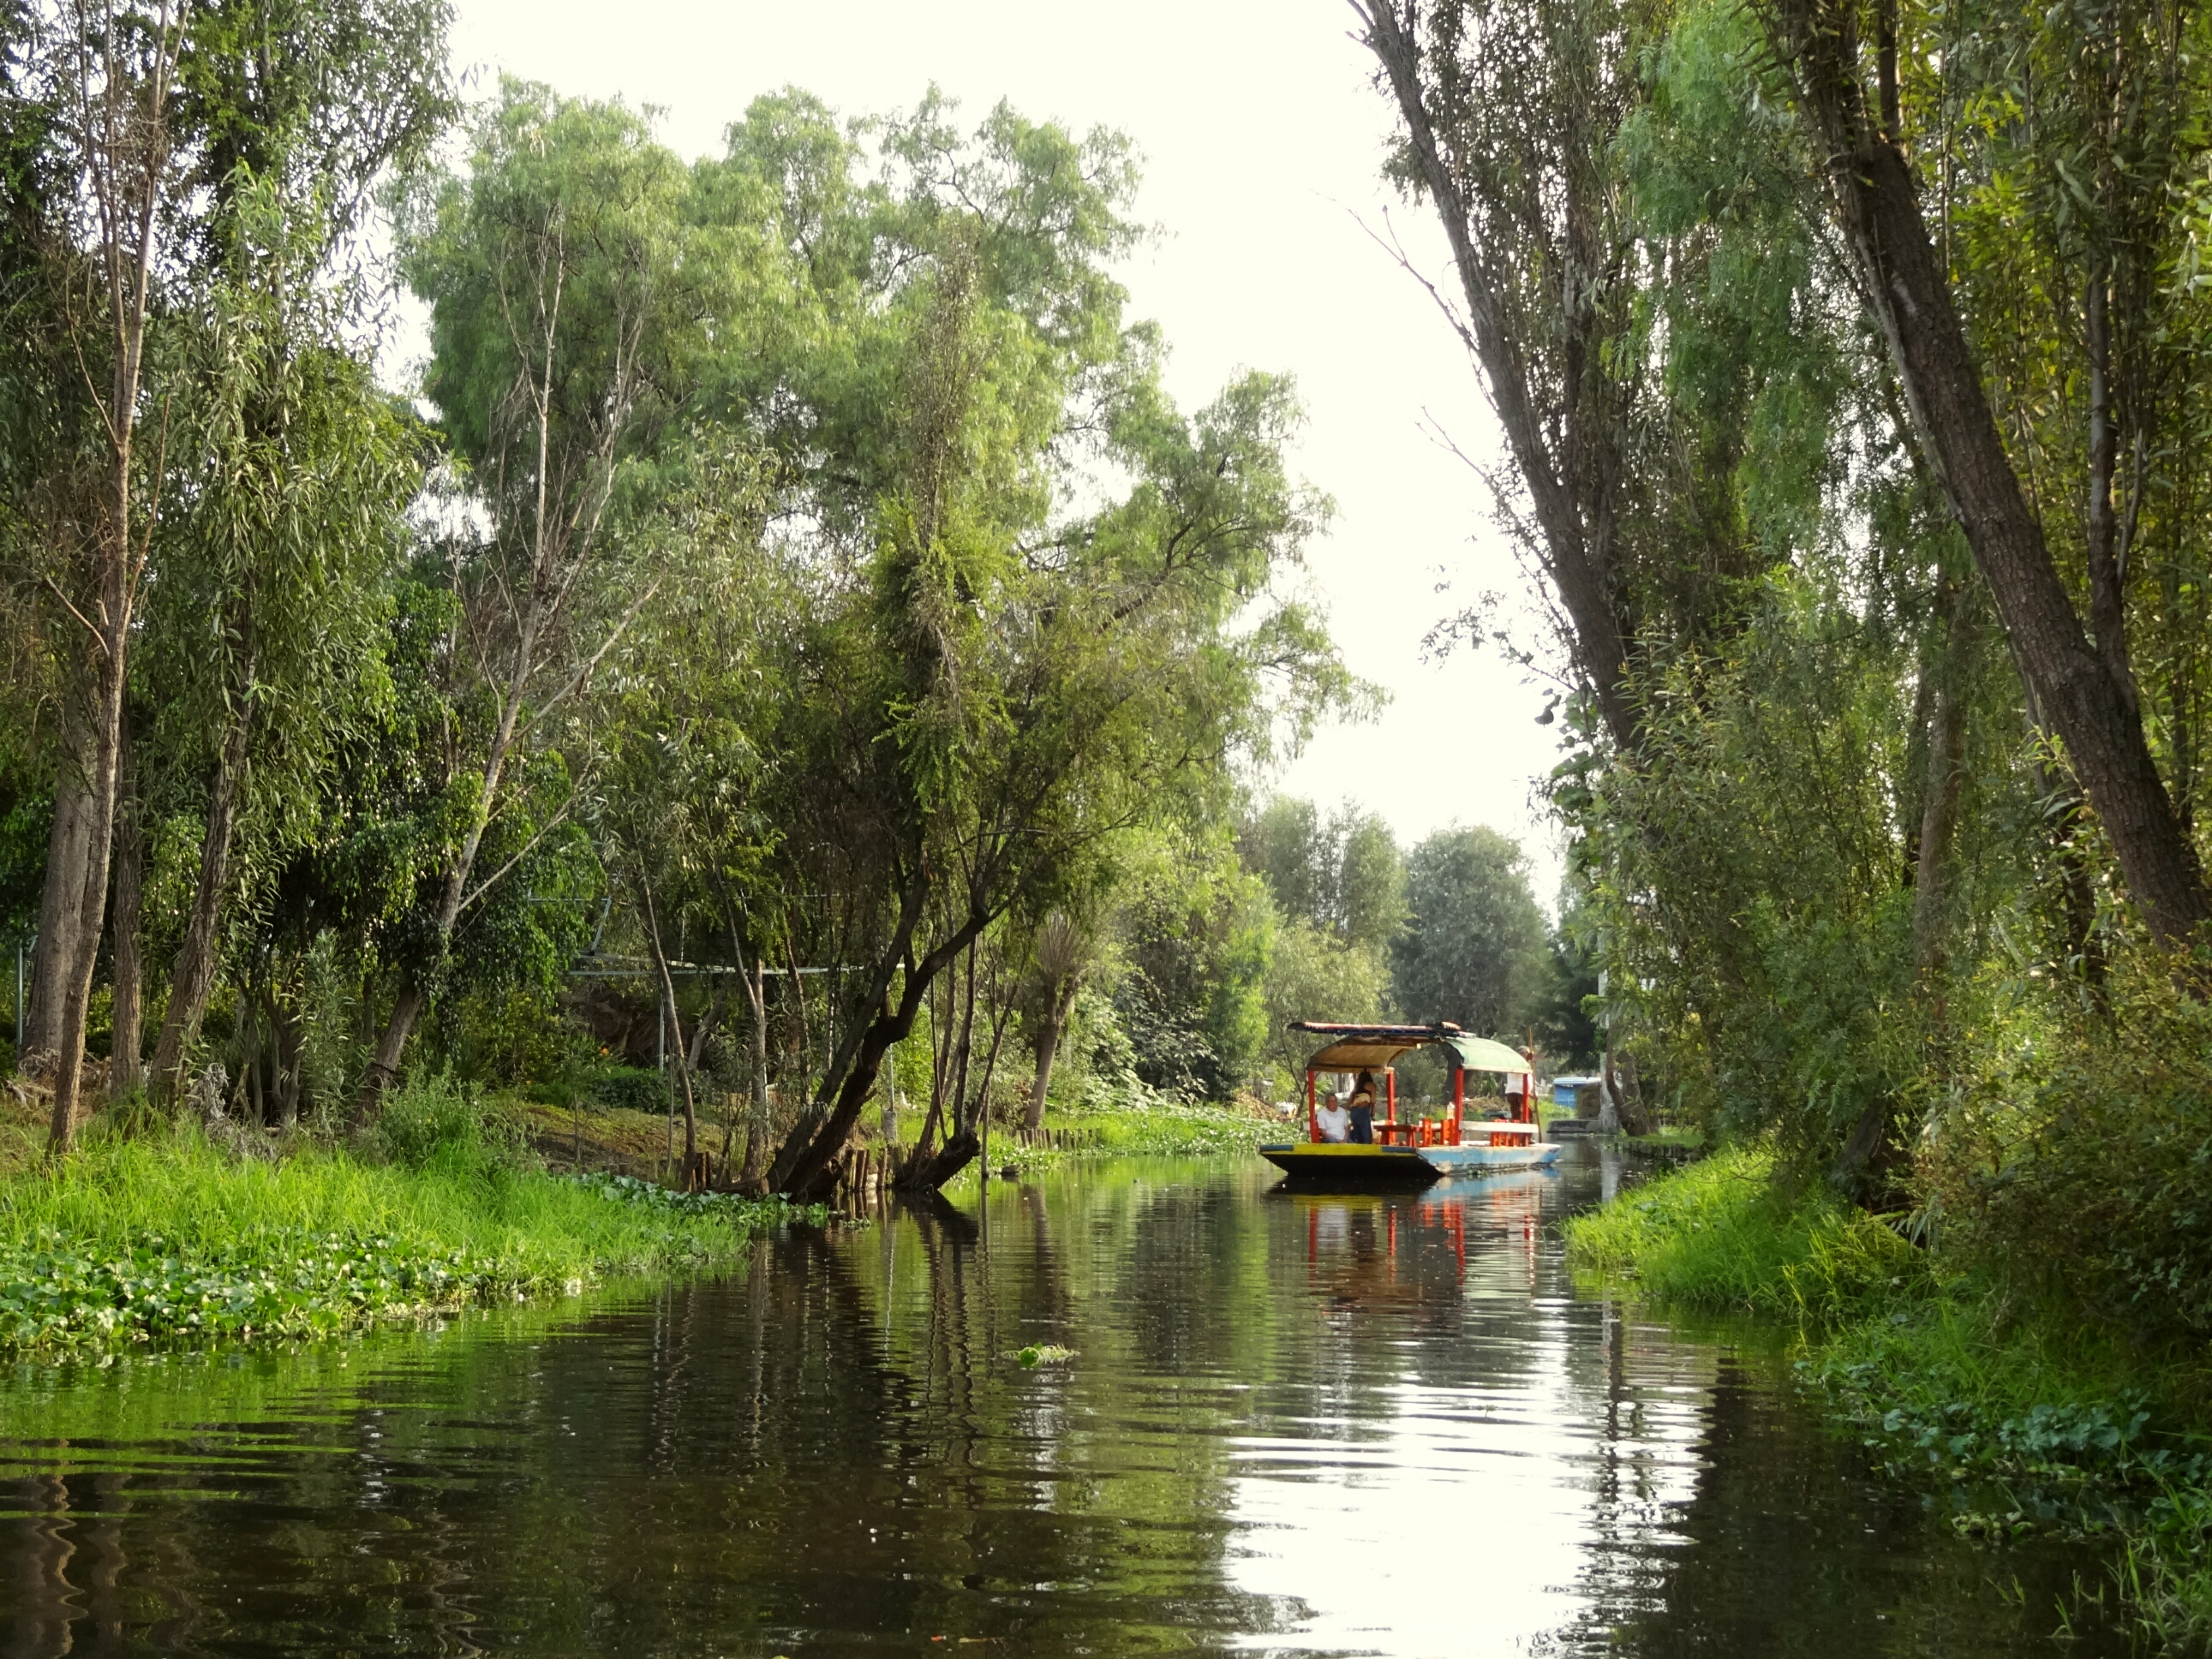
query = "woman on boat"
x=1362 y=1110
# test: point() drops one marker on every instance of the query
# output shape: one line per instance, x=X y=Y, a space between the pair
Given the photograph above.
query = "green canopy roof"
x=1357 y=1048
x=1481 y=1054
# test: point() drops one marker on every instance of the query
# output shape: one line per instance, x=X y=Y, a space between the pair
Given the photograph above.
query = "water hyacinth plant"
x=173 y=1236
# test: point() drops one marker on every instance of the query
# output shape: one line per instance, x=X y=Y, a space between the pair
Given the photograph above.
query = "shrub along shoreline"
x=2019 y=1412
x=178 y=1235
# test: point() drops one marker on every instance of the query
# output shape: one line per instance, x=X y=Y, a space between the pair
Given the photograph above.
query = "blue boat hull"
x=1487 y=1160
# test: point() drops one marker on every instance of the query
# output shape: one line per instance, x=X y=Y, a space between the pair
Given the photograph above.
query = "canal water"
x=1282 y=1424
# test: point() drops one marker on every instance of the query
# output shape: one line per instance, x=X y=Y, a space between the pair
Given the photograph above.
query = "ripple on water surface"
x=1286 y=1423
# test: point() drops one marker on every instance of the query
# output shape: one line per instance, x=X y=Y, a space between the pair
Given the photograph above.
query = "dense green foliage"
x=1852 y=890
x=1850 y=365
x=1824 y=837
x=802 y=565
x=1365 y=931
x=1472 y=948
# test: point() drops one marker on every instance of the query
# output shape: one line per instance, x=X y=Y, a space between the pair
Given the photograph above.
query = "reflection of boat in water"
x=1381 y=1248
x=1415 y=1152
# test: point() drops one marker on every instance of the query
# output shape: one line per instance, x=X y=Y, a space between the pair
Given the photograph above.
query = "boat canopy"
x=1481 y=1054
x=1363 y=1048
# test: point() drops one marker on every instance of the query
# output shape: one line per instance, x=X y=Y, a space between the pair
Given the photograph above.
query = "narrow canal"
x=1284 y=1425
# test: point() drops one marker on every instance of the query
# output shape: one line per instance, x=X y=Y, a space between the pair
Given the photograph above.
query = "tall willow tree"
x=2096 y=114
x=979 y=693
x=1027 y=692
x=562 y=309
x=138 y=133
x=1895 y=311
x=109 y=82
x=288 y=527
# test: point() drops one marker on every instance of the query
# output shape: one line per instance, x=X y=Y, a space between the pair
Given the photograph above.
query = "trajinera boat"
x=1413 y=1152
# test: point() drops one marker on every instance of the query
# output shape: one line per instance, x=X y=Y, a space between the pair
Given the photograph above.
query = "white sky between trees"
x=1262 y=141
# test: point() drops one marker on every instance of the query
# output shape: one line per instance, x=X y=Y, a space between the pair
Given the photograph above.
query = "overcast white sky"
x=1262 y=140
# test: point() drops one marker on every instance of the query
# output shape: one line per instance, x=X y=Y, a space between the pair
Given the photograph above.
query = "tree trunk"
x=963 y=1048
x=253 y=1104
x=125 y=1053
x=980 y=1116
x=1567 y=469
x=390 y=1042
x=117 y=592
x=1871 y=1160
x=942 y=1028
x=1906 y=288
x=1057 y=1009
x=759 y=1126
x=807 y=1155
x=804 y=1037
x=290 y=1032
x=705 y=1029
x=2108 y=624
x=1952 y=675
x=192 y=980
x=407 y=1006
x=60 y=921
x=927 y=1175
x=675 y=1022
x=124 y=162
x=1635 y=1119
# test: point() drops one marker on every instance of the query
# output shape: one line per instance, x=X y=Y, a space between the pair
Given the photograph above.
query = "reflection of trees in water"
x=1728 y=1520
x=831 y=1439
x=834 y=1441
x=1428 y=1290
x=1642 y=1388
x=1105 y=1479
x=42 y=1549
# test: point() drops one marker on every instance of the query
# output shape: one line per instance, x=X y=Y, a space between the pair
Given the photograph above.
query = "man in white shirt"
x=1332 y=1118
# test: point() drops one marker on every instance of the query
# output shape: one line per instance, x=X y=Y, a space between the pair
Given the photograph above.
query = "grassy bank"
x=172 y=1234
x=591 y=1137
x=2021 y=1414
x=1167 y=1129
x=1721 y=1234
x=1156 y=1129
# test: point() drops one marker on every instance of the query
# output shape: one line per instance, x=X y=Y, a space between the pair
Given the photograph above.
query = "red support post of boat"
x=1390 y=1090
x=1313 y=1122
x=1459 y=1100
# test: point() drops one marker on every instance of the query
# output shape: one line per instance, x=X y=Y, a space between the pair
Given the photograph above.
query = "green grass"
x=1722 y=1236
x=1163 y=1129
x=168 y=1235
x=1171 y=1130
x=1671 y=1135
x=2030 y=1417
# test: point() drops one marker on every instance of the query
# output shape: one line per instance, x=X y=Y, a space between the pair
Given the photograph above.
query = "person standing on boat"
x=1331 y=1118
x=1361 y=1110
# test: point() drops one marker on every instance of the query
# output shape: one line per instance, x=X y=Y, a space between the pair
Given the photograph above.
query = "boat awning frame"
x=1368 y=1047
